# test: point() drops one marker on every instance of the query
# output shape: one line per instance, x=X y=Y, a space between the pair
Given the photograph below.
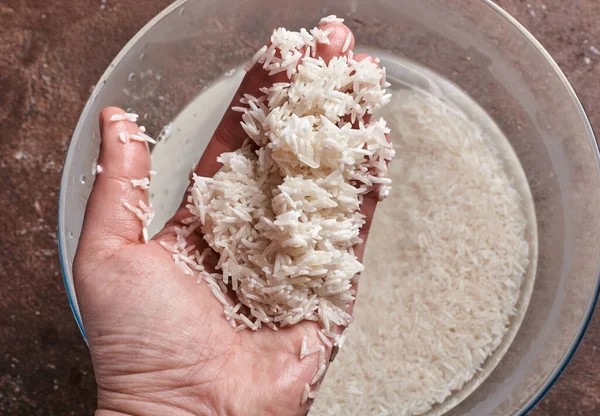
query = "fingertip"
x=341 y=41
x=113 y=127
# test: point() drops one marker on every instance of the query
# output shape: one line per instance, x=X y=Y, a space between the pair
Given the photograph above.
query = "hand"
x=159 y=342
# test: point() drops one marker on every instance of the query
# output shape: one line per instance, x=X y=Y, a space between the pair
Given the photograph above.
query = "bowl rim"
x=570 y=353
x=67 y=271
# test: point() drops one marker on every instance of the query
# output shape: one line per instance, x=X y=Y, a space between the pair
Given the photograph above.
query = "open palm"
x=159 y=342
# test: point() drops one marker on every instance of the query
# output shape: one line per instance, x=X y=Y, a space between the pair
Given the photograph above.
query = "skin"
x=159 y=342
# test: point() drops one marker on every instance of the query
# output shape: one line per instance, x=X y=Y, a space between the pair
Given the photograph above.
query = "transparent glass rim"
x=67 y=272
x=561 y=367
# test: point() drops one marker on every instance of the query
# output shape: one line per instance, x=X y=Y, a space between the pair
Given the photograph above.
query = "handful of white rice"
x=283 y=213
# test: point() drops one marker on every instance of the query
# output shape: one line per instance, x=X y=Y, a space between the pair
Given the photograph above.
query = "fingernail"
x=101 y=123
x=334 y=353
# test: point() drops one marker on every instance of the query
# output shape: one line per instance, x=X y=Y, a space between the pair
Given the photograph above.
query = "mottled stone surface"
x=51 y=54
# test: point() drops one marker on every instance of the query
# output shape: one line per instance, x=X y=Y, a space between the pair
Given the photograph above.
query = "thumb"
x=108 y=223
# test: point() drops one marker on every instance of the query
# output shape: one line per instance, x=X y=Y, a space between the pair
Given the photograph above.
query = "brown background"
x=51 y=54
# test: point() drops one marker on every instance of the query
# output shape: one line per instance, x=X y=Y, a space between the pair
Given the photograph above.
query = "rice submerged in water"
x=428 y=317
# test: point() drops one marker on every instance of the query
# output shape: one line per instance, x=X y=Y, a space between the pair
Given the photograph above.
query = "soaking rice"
x=459 y=237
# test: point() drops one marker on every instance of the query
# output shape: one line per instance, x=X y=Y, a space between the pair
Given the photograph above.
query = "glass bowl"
x=472 y=43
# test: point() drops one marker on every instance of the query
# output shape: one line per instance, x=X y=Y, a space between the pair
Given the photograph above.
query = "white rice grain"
x=125 y=117
x=331 y=19
x=305 y=393
x=168 y=247
x=347 y=42
x=318 y=374
x=325 y=340
x=143 y=183
x=142 y=137
x=303 y=349
x=123 y=137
